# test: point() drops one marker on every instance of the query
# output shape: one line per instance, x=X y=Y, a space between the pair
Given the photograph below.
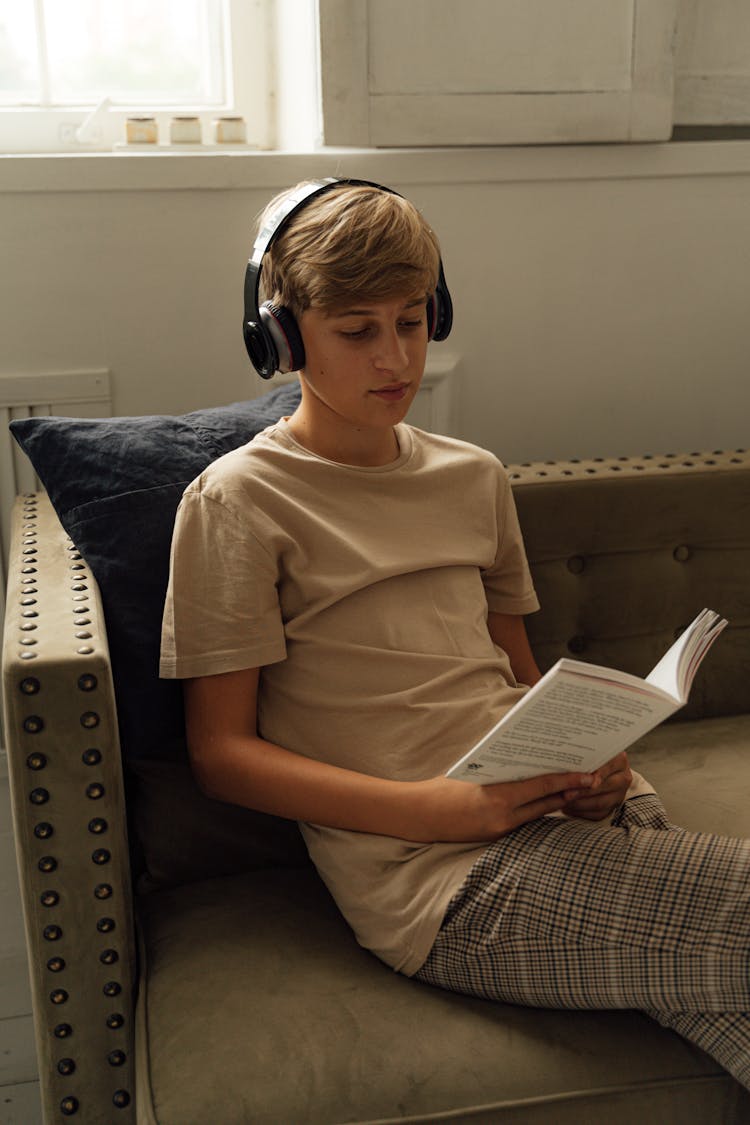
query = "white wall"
x=600 y=292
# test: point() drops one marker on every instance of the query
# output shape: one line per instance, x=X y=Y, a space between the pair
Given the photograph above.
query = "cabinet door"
x=712 y=78
x=438 y=72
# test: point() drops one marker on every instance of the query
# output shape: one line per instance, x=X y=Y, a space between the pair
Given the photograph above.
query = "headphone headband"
x=271 y=334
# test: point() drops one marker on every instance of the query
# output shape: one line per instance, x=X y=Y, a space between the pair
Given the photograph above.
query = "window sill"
x=246 y=168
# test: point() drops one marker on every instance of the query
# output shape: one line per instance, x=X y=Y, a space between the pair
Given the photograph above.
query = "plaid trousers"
x=642 y=914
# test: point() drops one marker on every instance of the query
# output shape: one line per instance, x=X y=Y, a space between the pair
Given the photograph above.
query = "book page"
x=576 y=720
x=676 y=670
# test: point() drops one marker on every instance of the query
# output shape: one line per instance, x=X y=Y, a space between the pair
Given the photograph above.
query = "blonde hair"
x=351 y=243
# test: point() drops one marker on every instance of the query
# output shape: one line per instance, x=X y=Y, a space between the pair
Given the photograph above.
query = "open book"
x=580 y=715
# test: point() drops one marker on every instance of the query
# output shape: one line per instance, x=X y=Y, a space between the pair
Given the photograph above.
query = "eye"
x=355 y=333
x=410 y=325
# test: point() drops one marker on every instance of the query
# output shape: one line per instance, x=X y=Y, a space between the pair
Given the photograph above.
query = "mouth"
x=394 y=392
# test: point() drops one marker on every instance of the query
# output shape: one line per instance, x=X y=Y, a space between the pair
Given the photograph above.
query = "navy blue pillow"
x=115 y=484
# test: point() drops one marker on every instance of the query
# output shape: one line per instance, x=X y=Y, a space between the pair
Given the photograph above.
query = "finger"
x=618 y=764
x=533 y=789
x=532 y=810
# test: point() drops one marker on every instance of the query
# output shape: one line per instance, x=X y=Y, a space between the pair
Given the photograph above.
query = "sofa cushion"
x=697 y=768
x=337 y=1036
x=115 y=484
x=184 y=836
x=265 y=960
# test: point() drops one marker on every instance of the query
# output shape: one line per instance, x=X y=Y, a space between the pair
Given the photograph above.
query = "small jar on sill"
x=185 y=130
x=141 y=131
x=230 y=131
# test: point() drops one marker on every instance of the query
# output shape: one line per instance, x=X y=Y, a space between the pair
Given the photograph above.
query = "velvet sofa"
x=187 y=965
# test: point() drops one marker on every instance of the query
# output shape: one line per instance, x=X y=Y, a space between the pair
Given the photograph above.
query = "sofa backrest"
x=625 y=552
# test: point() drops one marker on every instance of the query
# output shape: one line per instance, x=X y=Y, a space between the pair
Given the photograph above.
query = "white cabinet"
x=438 y=72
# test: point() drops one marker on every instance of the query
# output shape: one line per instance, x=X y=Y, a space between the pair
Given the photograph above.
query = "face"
x=363 y=362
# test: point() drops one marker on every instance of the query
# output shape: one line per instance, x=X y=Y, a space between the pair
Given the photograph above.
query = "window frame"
x=54 y=130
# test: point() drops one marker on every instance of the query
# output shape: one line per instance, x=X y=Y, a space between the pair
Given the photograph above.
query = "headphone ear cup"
x=281 y=326
x=441 y=306
x=431 y=311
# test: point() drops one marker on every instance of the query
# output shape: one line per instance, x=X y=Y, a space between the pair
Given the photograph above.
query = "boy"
x=346 y=607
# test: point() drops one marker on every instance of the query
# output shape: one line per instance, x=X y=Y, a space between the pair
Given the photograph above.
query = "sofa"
x=187 y=965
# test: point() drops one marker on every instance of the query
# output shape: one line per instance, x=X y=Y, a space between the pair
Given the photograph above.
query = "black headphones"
x=272 y=336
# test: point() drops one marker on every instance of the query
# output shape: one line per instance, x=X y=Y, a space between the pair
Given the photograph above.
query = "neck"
x=362 y=446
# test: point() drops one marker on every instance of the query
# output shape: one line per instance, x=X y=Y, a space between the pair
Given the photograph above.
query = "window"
x=61 y=59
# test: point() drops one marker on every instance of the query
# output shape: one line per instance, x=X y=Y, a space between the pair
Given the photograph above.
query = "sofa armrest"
x=69 y=821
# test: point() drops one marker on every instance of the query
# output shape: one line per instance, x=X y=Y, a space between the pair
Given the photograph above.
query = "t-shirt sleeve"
x=222 y=611
x=507 y=582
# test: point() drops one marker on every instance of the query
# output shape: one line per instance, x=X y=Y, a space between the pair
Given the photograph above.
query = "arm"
x=509 y=632
x=233 y=763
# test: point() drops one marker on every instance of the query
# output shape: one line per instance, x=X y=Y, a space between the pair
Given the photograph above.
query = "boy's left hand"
x=614 y=781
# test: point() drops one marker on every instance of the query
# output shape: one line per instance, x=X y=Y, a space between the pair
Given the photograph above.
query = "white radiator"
x=75 y=394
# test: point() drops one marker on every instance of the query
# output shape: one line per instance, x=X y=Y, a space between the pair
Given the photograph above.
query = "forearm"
x=233 y=763
x=261 y=775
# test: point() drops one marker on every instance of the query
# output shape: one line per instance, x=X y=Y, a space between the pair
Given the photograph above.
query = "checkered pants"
x=643 y=914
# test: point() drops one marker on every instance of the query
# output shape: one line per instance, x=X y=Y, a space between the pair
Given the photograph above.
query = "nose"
x=392 y=353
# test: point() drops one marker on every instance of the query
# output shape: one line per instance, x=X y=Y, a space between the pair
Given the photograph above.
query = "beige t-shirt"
x=362 y=593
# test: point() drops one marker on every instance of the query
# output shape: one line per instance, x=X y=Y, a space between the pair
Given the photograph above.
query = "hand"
x=612 y=783
x=449 y=810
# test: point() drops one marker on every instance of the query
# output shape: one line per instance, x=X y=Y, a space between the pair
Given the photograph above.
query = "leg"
x=638 y=915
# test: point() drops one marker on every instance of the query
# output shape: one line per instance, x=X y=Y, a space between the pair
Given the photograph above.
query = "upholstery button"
x=33 y=724
x=105 y=925
x=36 y=761
x=682 y=553
x=576 y=564
x=115 y=1021
x=59 y=996
x=47 y=864
x=91 y=757
x=39 y=796
x=117 y=1058
x=43 y=830
x=29 y=685
x=577 y=645
x=101 y=856
x=49 y=898
x=52 y=933
x=56 y=964
x=69 y=1106
x=87 y=682
x=90 y=719
x=66 y=1067
x=63 y=1031
x=121 y=1099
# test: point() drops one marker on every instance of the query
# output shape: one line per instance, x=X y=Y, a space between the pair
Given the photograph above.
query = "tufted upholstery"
x=253 y=1002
